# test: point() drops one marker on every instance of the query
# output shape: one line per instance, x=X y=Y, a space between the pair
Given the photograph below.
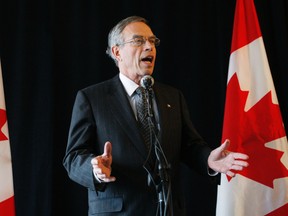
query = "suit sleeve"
x=80 y=146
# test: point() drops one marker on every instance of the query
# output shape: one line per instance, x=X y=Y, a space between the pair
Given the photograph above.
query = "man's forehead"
x=137 y=28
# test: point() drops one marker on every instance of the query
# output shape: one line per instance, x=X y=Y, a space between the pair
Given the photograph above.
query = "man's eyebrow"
x=137 y=36
x=141 y=36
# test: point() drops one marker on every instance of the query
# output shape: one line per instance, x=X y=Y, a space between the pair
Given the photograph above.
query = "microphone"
x=147 y=82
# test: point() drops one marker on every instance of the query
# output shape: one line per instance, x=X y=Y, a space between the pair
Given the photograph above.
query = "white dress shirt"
x=130 y=88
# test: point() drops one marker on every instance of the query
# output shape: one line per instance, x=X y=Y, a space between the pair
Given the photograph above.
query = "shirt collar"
x=128 y=84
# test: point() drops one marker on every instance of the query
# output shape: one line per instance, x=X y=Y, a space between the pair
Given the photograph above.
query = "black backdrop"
x=50 y=49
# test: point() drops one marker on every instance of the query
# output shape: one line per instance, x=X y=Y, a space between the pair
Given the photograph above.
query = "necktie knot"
x=140 y=91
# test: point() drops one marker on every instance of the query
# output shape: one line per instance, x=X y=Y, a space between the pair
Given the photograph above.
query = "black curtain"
x=51 y=48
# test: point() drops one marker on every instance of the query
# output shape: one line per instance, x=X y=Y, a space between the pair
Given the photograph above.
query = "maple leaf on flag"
x=3 y=120
x=280 y=211
x=250 y=130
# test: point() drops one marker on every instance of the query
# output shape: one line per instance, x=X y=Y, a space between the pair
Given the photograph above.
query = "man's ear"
x=116 y=53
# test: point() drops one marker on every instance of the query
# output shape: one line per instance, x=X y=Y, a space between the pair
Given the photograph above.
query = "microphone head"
x=147 y=81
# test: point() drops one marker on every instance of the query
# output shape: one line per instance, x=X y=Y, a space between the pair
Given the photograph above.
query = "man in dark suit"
x=145 y=181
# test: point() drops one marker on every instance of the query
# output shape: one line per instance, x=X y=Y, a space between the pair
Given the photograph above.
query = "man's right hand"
x=102 y=165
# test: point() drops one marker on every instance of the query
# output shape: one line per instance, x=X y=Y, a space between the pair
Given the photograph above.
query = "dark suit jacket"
x=102 y=113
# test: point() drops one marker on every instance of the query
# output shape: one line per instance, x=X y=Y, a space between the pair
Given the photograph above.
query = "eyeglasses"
x=140 y=40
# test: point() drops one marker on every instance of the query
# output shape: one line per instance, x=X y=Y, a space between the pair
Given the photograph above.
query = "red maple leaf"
x=250 y=131
x=3 y=120
x=280 y=211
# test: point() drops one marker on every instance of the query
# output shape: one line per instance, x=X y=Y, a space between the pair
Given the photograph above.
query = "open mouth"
x=148 y=59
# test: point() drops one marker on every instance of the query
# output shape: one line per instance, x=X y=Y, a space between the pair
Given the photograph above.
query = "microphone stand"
x=163 y=188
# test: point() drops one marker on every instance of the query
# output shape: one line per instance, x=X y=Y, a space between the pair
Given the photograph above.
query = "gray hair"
x=115 y=34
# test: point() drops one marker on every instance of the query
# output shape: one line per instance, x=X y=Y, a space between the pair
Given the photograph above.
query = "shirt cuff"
x=211 y=172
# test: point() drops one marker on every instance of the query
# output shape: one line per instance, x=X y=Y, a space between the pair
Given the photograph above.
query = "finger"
x=95 y=160
x=97 y=170
x=241 y=163
x=103 y=177
x=109 y=179
x=107 y=149
x=237 y=168
x=225 y=144
x=229 y=173
x=240 y=156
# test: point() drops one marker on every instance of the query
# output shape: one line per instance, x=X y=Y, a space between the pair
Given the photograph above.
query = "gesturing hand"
x=224 y=161
x=102 y=165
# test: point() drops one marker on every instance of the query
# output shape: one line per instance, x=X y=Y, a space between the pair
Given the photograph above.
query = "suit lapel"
x=164 y=109
x=123 y=113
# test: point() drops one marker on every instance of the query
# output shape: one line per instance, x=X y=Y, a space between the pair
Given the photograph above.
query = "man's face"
x=136 y=59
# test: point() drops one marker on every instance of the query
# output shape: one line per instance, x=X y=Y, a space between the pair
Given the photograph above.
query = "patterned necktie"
x=142 y=115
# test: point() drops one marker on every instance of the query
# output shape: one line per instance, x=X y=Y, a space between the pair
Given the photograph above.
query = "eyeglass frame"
x=143 y=39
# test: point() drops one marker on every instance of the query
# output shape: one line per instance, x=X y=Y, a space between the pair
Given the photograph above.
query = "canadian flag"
x=7 y=206
x=253 y=123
